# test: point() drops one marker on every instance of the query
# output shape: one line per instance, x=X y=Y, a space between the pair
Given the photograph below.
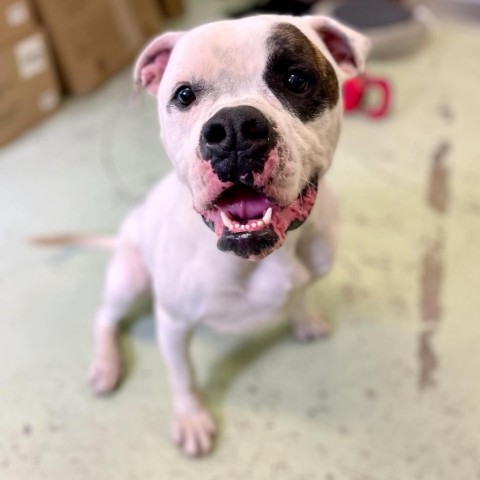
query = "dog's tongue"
x=243 y=203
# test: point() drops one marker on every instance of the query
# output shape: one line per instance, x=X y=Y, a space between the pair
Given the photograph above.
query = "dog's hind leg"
x=126 y=279
x=193 y=428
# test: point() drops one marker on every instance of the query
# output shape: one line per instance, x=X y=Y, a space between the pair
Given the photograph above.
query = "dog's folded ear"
x=348 y=48
x=152 y=62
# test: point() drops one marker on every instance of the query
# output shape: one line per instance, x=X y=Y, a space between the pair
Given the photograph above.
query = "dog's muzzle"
x=250 y=224
x=237 y=140
x=241 y=147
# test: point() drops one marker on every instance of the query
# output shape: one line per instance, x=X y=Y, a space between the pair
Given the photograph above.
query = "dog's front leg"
x=306 y=325
x=193 y=428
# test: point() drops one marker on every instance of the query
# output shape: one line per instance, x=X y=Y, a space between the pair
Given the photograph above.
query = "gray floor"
x=392 y=395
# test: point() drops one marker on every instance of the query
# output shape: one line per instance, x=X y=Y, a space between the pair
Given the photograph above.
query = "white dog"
x=250 y=113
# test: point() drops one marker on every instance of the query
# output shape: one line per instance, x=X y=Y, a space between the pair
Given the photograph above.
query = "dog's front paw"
x=194 y=432
x=105 y=371
x=311 y=327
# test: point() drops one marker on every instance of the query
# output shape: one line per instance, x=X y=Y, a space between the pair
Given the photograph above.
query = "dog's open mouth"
x=250 y=224
x=243 y=209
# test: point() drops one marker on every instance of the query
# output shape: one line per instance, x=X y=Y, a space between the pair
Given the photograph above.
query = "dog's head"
x=250 y=114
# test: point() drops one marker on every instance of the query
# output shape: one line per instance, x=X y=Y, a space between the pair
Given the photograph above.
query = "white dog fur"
x=164 y=246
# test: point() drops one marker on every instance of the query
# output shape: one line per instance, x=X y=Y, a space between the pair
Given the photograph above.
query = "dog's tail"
x=103 y=242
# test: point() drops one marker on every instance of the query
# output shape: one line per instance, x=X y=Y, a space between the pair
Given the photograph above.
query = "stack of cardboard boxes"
x=29 y=89
x=85 y=41
x=93 y=39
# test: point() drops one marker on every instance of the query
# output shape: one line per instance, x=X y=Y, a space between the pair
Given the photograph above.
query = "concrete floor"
x=392 y=395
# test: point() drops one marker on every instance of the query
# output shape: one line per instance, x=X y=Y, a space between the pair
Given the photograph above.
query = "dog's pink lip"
x=278 y=218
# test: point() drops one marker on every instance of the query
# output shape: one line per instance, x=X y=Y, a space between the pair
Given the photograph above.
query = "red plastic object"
x=354 y=93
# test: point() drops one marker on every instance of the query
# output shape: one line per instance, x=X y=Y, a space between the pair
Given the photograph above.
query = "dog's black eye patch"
x=296 y=81
x=299 y=74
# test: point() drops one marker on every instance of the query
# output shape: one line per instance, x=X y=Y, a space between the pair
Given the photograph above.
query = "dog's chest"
x=251 y=297
x=195 y=282
x=234 y=295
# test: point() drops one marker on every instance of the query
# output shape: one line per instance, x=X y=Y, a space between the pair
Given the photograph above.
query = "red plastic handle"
x=381 y=109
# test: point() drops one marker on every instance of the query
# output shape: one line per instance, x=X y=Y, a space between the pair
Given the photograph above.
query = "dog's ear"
x=348 y=48
x=153 y=60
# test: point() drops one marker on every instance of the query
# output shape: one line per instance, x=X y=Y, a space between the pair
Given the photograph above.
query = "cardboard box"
x=172 y=8
x=16 y=20
x=149 y=16
x=93 y=39
x=29 y=89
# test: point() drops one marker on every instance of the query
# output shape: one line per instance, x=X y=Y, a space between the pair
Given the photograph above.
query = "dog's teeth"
x=268 y=216
x=253 y=225
x=226 y=220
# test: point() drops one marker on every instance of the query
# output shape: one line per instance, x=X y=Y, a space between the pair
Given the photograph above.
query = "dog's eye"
x=296 y=81
x=185 y=96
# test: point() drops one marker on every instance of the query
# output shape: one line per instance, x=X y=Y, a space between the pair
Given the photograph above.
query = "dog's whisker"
x=308 y=182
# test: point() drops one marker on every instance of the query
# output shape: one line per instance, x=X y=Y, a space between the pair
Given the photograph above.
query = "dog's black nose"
x=237 y=141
